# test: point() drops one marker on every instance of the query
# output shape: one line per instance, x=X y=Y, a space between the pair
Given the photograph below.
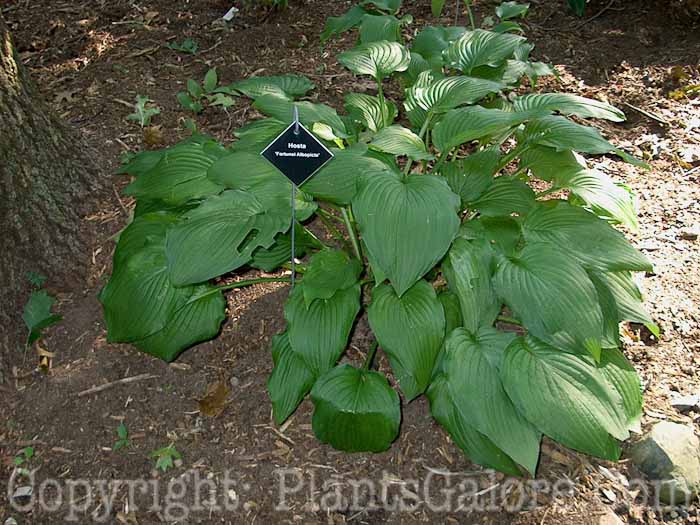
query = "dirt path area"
x=92 y=58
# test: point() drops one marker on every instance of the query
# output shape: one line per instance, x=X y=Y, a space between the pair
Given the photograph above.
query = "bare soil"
x=92 y=58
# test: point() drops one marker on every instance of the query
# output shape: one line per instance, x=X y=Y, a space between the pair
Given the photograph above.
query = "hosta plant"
x=463 y=220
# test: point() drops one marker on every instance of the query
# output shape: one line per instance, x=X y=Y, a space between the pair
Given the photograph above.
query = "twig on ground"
x=599 y=13
x=647 y=114
x=125 y=381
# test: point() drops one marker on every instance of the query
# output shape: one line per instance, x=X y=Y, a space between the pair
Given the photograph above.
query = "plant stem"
x=249 y=282
x=351 y=232
x=335 y=232
x=370 y=356
x=548 y=191
x=509 y=320
x=318 y=241
x=440 y=161
x=469 y=12
x=518 y=150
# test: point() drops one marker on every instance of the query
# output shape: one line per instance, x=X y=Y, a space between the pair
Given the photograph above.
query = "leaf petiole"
x=370 y=356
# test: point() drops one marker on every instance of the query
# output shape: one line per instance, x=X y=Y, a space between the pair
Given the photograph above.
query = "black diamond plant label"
x=297 y=153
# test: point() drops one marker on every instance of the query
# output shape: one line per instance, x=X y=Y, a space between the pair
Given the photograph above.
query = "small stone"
x=686 y=403
x=669 y=455
x=690 y=234
x=609 y=518
x=10 y=521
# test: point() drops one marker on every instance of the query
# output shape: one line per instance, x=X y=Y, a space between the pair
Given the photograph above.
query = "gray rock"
x=669 y=454
x=686 y=403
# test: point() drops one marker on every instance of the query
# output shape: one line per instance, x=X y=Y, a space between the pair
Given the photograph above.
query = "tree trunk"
x=46 y=180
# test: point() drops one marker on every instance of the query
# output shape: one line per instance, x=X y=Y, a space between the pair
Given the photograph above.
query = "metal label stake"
x=294 y=203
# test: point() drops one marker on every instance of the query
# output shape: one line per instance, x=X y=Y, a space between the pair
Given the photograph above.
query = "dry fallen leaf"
x=215 y=400
x=153 y=135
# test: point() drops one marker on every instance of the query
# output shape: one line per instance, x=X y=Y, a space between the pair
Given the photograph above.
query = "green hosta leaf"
x=568 y=171
x=388 y=6
x=37 y=314
x=336 y=25
x=470 y=177
x=562 y=134
x=211 y=79
x=502 y=233
x=628 y=299
x=329 y=271
x=437 y=6
x=318 y=334
x=508 y=10
x=142 y=162
x=220 y=235
x=611 y=322
x=553 y=296
x=199 y=319
x=592 y=241
x=370 y=111
x=338 y=181
x=290 y=380
x=407 y=224
x=568 y=105
x=377 y=59
x=452 y=310
x=257 y=135
x=448 y=93
x=481 y=48
x=417 y=66
x=398 y=140
x=475 y=445
x=355 y=410
x=623 y=377
x=505 y=196
x=375 y=28
x=433 y=40
x=410 y=330
x=476 y=389
x=283 y=86
x=282 y=109
x=269 y=259
x=564 y=396
x=468 y=269
x=466 y=124
x=247 y=171
x=180 y=175
x=139 y=299
x=507 y=27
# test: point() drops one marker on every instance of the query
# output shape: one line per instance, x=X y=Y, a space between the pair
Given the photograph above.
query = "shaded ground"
x=89 y=58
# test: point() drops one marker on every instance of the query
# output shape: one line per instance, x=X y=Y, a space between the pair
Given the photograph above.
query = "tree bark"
x=47 y=179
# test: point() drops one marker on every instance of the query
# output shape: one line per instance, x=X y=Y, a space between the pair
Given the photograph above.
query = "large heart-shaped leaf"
x=476 y=389
x=592 y=241
x=562 y=134
x=180 y=175
x=318 y=333
x=257 y=135
x=286 y=86
x=398 y=140
x=329 y=271
x=336 y=25
x=373 y=112
x=565 y=397
x=377 y=59
x=269 y=259
x=628 y=299
x=623 y=378
x=506 y=195
x=220 y=235
x=508 y=10
x=468 y=268
x=407 y=224
x=338 y=181
x=448 y=93
x=431 y=41
x=410 y=330
x=481 y=48
x=479 y=448
x=553 y=296
x=290 y=380
x=282 y=109
x=470 y=177
x=568 y=105
x=355 y=410
x=466 y=124
x=375 y=28
x=199 y=319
